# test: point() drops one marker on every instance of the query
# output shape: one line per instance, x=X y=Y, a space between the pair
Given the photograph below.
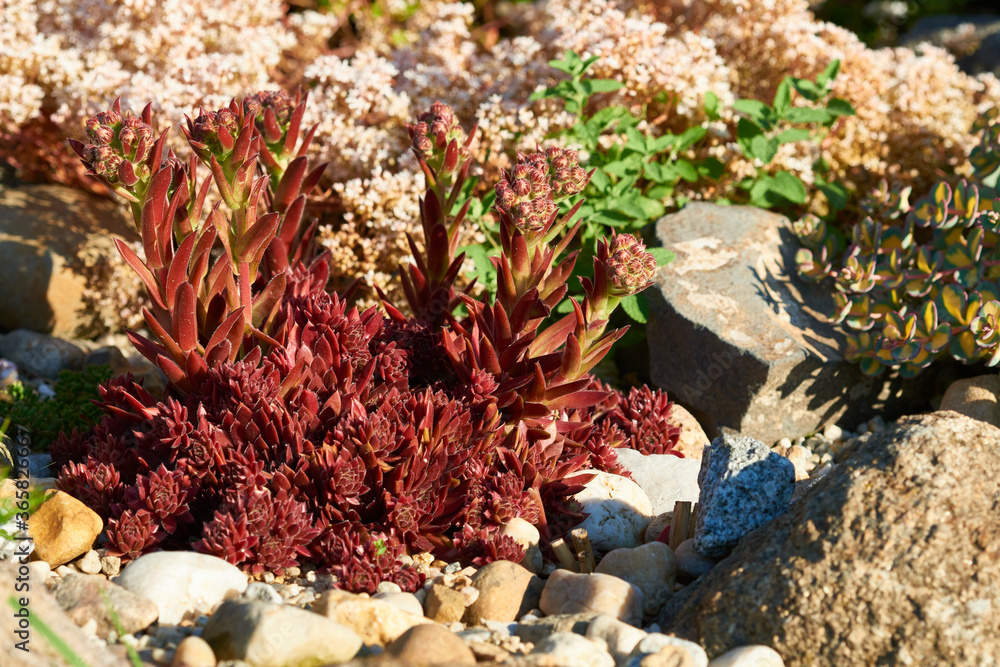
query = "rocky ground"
x=840 y=519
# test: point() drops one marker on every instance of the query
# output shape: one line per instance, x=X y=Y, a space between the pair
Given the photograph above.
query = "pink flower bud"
x=629 y=267
x=521 y=187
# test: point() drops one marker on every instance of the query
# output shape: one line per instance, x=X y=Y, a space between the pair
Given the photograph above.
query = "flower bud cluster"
x=566 y=176
x=216 y=130
x=120 y=147
x=525 y=195
x=434 y=130
x=630 y=268
x=279 y=103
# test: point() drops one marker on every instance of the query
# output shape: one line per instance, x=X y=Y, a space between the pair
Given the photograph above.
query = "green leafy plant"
x=917 y=282
x=72 y=406
x=763 y=128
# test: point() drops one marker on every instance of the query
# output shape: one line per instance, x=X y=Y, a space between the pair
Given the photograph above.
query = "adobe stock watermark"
x=22 y=543
x=691 y=392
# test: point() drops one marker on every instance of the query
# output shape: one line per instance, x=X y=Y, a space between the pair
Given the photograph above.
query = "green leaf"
x=759 y=192
x=630 y=165
x=690 y=137
x=593 y=86
x=839 y=107
x=783 y=97
x=789 y=187
x=745 y=133
x=660 y=172
x=711 y=167
x=687 y=171
x=600 y=180
x=792 y=135
x=662 y=255
x=636 y=307
x=806 y=115
x=829 y=74
x=835 y=193
x=763 y=148
x=755 y=109
x=712 y=105
x=807 y=89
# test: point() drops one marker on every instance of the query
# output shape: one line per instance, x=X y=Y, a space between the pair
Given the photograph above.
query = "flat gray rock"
x=743 y=486
x=39 y=353
x=736 y=337
x=665 y=478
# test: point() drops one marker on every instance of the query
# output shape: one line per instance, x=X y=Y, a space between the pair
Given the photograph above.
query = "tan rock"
x=528 y=537
x=507 y=591
x=444 y=604
x=377 y=622
x=90 y=563
x=656 y=527
x=749 y=656
x=193 y=652
x=63 y=528
x=668 y=656
x=430 y=644
x=52 y=234
x=977 y=397
x=692 y=438
x=799 y=457
x=572 y=593
x=87 y=597
x=652 y=568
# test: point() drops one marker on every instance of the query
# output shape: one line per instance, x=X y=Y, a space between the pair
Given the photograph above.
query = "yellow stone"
x=63 y=528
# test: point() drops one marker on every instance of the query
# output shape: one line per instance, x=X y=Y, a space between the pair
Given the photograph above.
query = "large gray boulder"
x=735 y=336
x=893 y=558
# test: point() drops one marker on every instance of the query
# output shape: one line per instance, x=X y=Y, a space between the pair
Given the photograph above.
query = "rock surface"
x=620 y=637
x=48 y=234
x=507 y=591
x=652 y=568
x=618 y=510
x=573 y=593
x=743 y=486
x=572 y=649
x=270 y=635
x=183 y=584
x=682 y=652
x=39 y=353
x=665 y=479
x=749 y=656
x=84 y=597
x=977 y=397
x=692 y=439
x=377 y=622
x=193 y=652
x=892 y=558
x=63 y=528
x=759 y=358
x=42 y=605
x=430 y=644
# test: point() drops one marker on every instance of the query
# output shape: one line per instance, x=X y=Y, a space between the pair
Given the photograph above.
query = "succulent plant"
x=917 y=281
x=297 y=428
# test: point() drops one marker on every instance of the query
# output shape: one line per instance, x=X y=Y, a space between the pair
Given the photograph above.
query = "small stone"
x=183 y=584
x=257 y=590
x=799 y=457
x=162 y=656
x=569 y=593
x=572 y=649
x=531 y=629
x=63 y=528
x=977 y=397
x=665 y=478
x=66 y=570
x=749 y=656
x=268 y=577
x=655 y=642
x=743 y=486
x=652 y=568
x=833 y=432
x=377 y=622
x=692 y=440
x=528 y=537
x=656 y=527
x=469 y=594
x=38 y=570
x=408 y=602
x=618 y=511
x=88 y=597
x=452 y=568
x=444 y=605
x=486 y=652
x=90 y=563
x=39 y=353
x=111 y=565
x=506 y=592
x=430 y=644
x=668 y=656
x=270 y=635
x=388 y=587
x=690 y=563
x=620 y=637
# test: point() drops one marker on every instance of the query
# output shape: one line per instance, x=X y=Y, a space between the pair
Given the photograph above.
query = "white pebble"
x=833 y=432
